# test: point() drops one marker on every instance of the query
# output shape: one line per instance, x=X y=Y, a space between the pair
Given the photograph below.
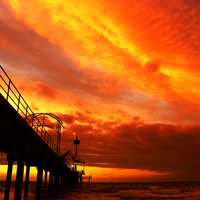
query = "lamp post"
x=76 y=143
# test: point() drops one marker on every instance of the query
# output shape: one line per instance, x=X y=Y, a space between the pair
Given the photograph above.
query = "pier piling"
x=26 y=188
x=39 y=181
x=8 y=178
x=19 y=180
x=45 y=177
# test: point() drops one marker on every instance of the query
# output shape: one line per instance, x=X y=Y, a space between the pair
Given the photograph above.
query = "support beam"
x=8 y=179
x=26 y=188
x=50 y=181
x=56 y=180
x=80 y=179
x=39 y=182
x=45 y=177
x=19 y=180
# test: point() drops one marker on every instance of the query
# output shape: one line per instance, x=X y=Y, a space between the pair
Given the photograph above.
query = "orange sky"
x=123 y=75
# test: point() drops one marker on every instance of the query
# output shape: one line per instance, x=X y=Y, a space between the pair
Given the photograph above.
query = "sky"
x=122 y=75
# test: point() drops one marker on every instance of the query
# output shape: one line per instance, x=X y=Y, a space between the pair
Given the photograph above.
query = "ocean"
x=120 y=191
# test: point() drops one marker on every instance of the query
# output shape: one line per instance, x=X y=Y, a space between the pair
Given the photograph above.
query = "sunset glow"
x=122 y=75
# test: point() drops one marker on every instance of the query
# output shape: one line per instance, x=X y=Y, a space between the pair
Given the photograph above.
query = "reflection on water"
x=120 y=191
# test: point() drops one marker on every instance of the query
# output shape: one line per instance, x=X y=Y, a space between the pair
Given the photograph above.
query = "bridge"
x=32 y=139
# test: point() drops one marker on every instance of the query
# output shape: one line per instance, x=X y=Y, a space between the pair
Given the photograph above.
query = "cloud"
x=40 y=89
x=26 y=52
x=24 y=48
x=135 y=144
x=113 y=57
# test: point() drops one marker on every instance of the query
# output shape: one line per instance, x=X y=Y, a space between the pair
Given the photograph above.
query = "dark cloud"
x=159 y=147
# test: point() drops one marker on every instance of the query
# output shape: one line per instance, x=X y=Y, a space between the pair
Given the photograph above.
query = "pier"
x=28 y=140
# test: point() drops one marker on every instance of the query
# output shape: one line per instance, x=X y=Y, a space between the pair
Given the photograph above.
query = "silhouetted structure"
x=29 y=139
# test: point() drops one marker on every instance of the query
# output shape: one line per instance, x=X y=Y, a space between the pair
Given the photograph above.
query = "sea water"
x=120 y=191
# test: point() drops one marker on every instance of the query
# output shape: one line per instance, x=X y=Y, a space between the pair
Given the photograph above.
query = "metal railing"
x=10 y=92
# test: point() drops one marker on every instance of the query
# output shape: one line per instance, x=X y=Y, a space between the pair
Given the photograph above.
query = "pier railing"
x=10 y=92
